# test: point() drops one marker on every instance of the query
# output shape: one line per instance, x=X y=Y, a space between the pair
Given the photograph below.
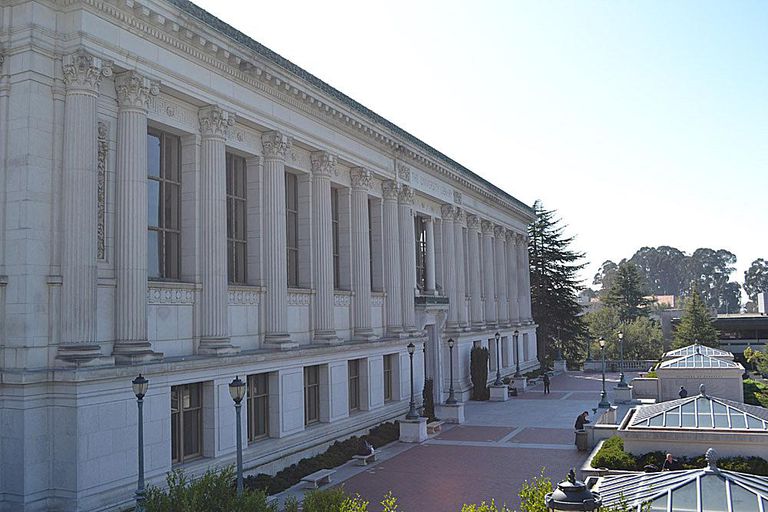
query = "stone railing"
x=611 y=365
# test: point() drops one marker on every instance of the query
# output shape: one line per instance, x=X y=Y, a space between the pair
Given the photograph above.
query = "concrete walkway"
x=501 y=445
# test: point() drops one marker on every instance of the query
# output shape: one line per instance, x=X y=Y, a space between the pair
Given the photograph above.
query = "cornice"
x=239 y=56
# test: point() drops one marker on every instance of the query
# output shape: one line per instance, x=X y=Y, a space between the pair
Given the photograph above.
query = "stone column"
x=490 y=281
x=461 y=281
x=501 y=277
x=475 y=277
x=360 y=179
x=512 y=273
x=407 y=257
x=521 y=249
x=275 y=145
x=131 y=343
x=214 y=321
x=430 y=222
x=525 y=271
x=391 y=239
x=82 y=77
x=323 y=165
x=448 y=212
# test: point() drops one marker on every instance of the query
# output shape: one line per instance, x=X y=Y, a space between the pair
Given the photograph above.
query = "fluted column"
x=131 y=343
x=461 y=280
x=275 y=146
x=82 y=76
x=214 y=321
x=391 y=239
x=323 y=165
x=475 y=277
x=490 y=281
x=502 y=307
x=448 y=212
x=360 y=179
x=512 y=275
x=521 y=248
x=430 y=222
x=525 y=271
x=407 y=257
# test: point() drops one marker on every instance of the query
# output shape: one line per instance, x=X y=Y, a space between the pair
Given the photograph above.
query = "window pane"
x=738 y=421
x=721 y=420
x=684 y=498
x=754 y=423
x=713 y=494
x=172 y=250
x=153 y=254
x=705 y=420
x=191 y=432
x=171 y=157
x=175 y=452
x=689 y=420
x=153 y=155
x=659 y=504
x=743 y=500
x=153 y=203
x=171 y=205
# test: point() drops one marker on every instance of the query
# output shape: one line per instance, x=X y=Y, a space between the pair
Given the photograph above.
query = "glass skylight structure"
x=698 y=361
x=698 y=349
x=701 y=412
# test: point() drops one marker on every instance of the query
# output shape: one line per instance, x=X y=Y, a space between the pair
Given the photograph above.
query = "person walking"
x=546 y=383
x=683 y=392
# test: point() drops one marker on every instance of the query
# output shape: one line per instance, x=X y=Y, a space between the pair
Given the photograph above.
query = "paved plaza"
x=500 y=446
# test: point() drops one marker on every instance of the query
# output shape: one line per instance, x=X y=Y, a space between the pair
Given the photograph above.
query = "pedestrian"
x=683 y=392
x=670 y=464
x=546 y=383
x=581 y=420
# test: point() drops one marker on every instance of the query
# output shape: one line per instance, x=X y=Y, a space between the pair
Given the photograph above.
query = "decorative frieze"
x=377 y=300
x=101 y=189
x=298 y=298
x=342 y=300
x=165 y=295
x=215 y=122
x=244 y=297
x=163 y=107
x=323 y=164
x=275 y=145
x=83 y=71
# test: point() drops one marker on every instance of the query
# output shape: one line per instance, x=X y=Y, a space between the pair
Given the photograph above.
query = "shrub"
x=532 y=494
x=755 y=393
x=478 y=367
x=329 y=500
x=611 y=455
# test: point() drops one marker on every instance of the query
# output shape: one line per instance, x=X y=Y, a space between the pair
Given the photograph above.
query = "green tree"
x=756 y=278
x=696 y=323
x=605 y=276
x=627 y=295
x=643 y=338
x=711 y=269
x=555 y=287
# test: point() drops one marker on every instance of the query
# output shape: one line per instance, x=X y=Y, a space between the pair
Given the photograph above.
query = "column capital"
x=133 y=90
x=511 y=235
x=83 y=71
x=473 y=222
x=215 y=122
x=459 y=216
x=361 y=178
x=448 y=211
x=487 y=227
x=405 y=195
x=390 y=189
x=499 y=231
x=275 y=145
x=521 y=239
x=323 y=164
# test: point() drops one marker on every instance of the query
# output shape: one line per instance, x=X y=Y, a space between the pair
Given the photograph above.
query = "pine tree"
x=626 y=294
x=696 y=324
x=555 y=287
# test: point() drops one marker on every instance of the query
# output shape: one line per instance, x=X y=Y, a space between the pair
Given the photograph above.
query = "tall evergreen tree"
x=696 y=323
x=555 y=287
x=627 y=294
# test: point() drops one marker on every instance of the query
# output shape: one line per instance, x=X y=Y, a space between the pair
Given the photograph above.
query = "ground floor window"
x=258 y=406
x=311 y=394
x=186 y=422
x=389 y=365
x=353 y=369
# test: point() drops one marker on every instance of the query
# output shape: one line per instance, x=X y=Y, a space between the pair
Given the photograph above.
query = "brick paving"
x=462 y=433
x=545 y=436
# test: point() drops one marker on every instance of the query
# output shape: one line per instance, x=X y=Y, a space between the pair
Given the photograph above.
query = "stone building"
x=179 y=201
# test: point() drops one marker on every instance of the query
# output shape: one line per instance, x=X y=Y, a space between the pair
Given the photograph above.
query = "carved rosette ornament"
x=360 y=178
x=448 y=211
x=487 y=227
x=83 y=72
x=390 y=190
x=215 y=121
x=403 y=171
x=101 y=180
x=275 y=145
x=473 y=222
x=323 y=164
x=406 y=195
x=133 y=90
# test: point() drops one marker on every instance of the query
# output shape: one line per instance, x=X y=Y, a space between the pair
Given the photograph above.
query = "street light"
x=237 y=392
x=604 y=403
x=412 y=414
x=517 y=355
x=140 y=386
x=622 y=382
x=572 y=494
x=498 y=382
x=451 y=398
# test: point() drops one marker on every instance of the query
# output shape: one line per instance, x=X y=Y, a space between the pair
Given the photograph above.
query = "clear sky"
x=643 y=123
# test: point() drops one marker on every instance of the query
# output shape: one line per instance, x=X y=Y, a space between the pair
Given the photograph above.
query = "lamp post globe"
x=572 y=494
x=517 y=354
x=412 y=414
x=622 y=382
x=237 y=392
x=604 y=403
x=451 y=398
x=498 y=381
x=140 y=386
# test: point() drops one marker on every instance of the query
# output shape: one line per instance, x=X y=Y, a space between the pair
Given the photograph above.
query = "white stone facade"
x=82 y=84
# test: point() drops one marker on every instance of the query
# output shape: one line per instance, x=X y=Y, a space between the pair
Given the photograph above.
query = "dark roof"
x=231 y=32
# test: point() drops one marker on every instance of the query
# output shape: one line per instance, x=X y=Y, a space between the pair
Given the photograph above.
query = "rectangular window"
x=335 y=234
x=292 y=228
x=353 y=368
x=163 y=205
x=421 y=253
x=311 y=394
x=389 y=364
x=186 y=422
x=370 y=241
x=258 y=406
x=237 y=238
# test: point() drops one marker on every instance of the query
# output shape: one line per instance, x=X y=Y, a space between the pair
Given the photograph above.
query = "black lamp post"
x=451 y=398
x=412 y=414
x=604 y=403
x=572 y=494
x=622 y=382
x=237 y=392
x=498 y=381
x=517 y=355
x=140 y=386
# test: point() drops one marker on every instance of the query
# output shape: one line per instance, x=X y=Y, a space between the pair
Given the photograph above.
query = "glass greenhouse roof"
x=697 y=349
x=698 y=361
x=701 y=412
x=695 y=490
